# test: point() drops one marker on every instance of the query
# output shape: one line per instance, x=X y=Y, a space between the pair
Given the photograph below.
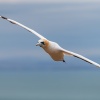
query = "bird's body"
x=52 y=48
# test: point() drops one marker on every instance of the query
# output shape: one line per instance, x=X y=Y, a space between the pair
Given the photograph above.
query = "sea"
x=50 y=85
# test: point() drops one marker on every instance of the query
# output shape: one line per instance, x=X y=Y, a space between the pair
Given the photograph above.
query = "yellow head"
x=43 y=43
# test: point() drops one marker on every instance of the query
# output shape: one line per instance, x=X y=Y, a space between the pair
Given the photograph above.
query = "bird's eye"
x=43 y=43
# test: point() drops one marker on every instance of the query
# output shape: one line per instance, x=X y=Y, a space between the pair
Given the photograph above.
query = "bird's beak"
x=38 y=44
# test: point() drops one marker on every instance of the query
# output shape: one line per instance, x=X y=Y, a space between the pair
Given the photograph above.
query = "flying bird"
x=52 y=48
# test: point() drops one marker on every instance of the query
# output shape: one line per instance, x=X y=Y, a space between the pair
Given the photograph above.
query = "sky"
x=74 y=25
x=46 y=1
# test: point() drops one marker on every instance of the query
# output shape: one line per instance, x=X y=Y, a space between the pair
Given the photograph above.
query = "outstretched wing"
x=80 y=57
x=17 y=23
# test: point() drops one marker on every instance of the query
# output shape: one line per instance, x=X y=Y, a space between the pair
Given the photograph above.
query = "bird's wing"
x=17 y=23
x=80 y=57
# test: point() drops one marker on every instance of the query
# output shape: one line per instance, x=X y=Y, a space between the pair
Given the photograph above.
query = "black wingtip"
x=7 y=19
x=3 y=17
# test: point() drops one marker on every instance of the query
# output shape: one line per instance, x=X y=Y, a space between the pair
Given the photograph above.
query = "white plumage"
x=53 y=49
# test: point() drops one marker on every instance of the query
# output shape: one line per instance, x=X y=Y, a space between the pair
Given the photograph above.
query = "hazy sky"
x=75 y=26
x=46 y=1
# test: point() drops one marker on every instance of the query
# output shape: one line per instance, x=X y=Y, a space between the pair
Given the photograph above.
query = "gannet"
x=56 y=52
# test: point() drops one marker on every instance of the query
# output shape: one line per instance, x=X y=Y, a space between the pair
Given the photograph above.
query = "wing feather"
x=19 y=24
x=80 y=57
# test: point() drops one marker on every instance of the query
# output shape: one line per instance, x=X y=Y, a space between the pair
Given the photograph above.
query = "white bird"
x=52 y=48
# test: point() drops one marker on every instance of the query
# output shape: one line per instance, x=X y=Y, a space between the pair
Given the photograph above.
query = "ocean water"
x=50 y=85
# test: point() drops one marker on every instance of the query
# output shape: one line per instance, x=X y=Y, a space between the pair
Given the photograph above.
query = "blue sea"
x=50 y=85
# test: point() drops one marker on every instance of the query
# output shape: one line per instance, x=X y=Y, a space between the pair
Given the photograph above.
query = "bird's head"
x=42 y=43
